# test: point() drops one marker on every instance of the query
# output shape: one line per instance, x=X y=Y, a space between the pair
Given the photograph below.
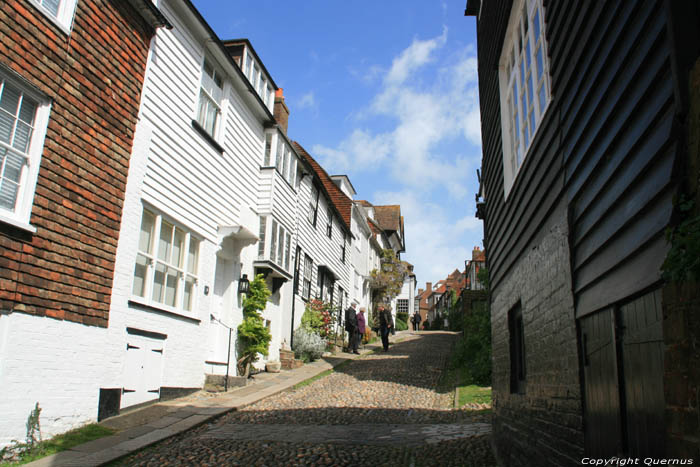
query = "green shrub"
x=401 y=321
x=473 y=351
x=253 y=336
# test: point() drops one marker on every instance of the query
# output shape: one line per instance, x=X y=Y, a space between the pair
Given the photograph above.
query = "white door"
x=142 y=370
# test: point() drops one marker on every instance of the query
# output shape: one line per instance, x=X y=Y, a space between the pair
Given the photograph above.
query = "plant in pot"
x=253 y=336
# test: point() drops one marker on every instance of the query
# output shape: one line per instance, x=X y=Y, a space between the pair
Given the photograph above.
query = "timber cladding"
x=93 y=77
x=599 y=180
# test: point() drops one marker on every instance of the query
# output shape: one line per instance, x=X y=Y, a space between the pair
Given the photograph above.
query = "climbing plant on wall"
x=253 y=336
x=387 y=281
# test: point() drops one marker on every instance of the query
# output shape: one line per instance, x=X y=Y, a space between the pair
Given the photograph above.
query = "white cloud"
x=307 y=101
x=415 y=56
x=422 y=117
x=434 y=244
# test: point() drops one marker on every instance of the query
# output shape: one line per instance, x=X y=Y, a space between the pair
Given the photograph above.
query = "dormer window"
x=210 y=97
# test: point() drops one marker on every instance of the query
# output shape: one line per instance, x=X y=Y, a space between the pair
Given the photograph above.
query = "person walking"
x=351 y=328
x=361 y=325
x=385 y=325
x=416 y=321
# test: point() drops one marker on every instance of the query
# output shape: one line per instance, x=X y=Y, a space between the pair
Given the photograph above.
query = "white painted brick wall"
x=58 y=364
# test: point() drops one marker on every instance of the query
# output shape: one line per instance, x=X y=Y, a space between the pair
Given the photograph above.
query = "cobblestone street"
x=382 y=409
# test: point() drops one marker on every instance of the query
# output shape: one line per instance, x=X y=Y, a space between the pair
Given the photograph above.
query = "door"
x=142 y=370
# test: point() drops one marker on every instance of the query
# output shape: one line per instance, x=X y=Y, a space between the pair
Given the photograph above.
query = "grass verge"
x=61 y=442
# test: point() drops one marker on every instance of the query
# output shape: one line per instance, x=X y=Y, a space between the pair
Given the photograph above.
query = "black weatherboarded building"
x=590 y=116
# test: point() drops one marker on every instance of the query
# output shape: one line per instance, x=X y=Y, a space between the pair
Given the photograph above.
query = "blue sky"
x=385 y=92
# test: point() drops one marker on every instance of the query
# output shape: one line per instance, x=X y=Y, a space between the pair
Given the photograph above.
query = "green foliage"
x=33 y=426
x=308 y=345
x=473 y=351
x=387 y=282
x=473 y=394
x=436 y=323
x=683 y=258
x=319 y=317
x=401 y=321
x=483 y=277
x=21 y=453
x=253 y=336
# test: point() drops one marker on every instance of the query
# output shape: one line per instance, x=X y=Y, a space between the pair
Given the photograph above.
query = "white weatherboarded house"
x=203 y=180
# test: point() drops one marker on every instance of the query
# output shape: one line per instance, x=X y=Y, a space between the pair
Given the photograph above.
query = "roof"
x=389 y=217
x=340 y=200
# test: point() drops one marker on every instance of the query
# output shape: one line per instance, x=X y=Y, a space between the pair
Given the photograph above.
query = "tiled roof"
x=388 y=217
x=340 y=200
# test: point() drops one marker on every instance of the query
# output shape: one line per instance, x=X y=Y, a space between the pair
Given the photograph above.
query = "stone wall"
x=544 y=425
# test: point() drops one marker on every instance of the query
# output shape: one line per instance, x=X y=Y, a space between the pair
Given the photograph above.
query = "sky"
x=385 y=92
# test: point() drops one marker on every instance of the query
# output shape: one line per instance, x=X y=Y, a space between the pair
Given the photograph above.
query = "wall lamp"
x=243 y=284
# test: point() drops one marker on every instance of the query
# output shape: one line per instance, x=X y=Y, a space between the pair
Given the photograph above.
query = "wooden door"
x=643 y=367
x=142 y=370
x=601 y=390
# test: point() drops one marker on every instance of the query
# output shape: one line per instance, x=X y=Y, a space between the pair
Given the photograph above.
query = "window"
x=516 y=333
x=280 y=240
x=210 y=97
x=268 y=150
x=23 y=120
x=313 y=204
x=402 y=305
x=524 y=84
x=308 y=270
x=342 y=247
x=279 y=160
x=325 y=284
x=249 y=67
x=270 y=97
x=329 y=225
x=59 y=11
x=256 y=77
x=166 y=263
x=341 y=296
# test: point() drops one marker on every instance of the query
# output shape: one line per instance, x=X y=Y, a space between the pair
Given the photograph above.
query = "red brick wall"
x=94 y=77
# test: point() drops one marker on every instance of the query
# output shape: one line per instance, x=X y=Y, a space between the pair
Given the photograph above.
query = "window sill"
x=210 y=139
x=17 y=224
x=141 y=303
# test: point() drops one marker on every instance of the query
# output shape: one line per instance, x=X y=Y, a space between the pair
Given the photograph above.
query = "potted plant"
x=253 y=336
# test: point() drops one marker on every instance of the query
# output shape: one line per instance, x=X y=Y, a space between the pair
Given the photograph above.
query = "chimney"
x=429 y=286
x=281 y=111
x=420 y=291
x=476 y=254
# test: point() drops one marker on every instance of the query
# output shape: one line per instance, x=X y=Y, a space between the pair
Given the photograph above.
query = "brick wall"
x=543 y=425
x=94 y=77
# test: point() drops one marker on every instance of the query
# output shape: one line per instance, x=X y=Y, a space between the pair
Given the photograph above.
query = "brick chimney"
x=477 y=254
x=281 y=111
x=429 y=286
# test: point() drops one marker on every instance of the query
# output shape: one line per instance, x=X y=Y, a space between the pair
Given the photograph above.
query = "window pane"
x=287 y=254
x=261 y=243
x=193 y=256
x=171 y=287
x=187 y=298
x=11 y=164
x=178 y=246
x=145 y=239
x=51 y=6
x=27 y=110
x=543 y=98
x=280 y=247
x=158 y=283
x=280 y=154
x=540 y=62
x=140 y=269
x=532 y=122
x=536 y=24
x=528 y=55
x=529 y=89
x=522 y=70
x=273 y=244
x=165 y=244
x=23 y=134
x=9 y=101
x=268 y=149
x=285 y=164
x=523 y=109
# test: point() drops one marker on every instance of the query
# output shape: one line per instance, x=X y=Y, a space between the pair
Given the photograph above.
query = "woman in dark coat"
x=385 y=325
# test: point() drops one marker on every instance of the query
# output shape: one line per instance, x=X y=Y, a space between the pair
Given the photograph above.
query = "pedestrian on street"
x=385 y=326
x=361 y=324
x=351 y=328
x=416 y=321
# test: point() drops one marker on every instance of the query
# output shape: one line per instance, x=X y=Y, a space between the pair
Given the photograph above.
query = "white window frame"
x=185 y=270
x=278 y=249
x=63 y=17
x=20 y=215
x=518 y=55
x=206 y=94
